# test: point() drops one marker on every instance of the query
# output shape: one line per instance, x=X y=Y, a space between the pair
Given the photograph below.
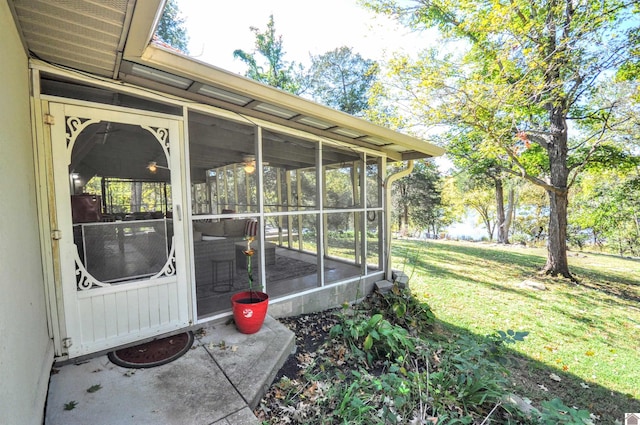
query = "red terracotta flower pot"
x=249 y=310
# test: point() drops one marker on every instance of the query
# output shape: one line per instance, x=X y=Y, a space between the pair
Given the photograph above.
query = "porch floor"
x=219 y=381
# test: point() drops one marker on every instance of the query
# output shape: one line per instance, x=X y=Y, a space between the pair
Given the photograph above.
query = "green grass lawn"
x=587 y=335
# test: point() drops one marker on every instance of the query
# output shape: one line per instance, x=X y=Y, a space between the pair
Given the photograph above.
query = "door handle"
x=179 y=212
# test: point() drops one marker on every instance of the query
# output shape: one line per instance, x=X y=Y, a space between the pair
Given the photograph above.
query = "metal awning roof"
x=111 y=38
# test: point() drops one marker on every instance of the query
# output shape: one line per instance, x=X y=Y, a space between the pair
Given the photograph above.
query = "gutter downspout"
x=388 y=181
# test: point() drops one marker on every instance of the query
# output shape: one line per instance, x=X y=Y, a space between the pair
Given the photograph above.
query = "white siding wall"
x=26 y=351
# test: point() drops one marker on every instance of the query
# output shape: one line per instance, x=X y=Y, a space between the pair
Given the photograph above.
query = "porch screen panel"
x=374 y=184
x=342 y=187
x=223 y=165
x=343 y=245
x=297 y=263
x=374 y=222
x=289 y=168
x=373 y=217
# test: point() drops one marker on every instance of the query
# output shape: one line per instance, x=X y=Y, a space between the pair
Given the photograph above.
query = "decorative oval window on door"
x=120 y=185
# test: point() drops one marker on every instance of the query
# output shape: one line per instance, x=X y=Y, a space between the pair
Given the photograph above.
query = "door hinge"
x=56 y=235
x=67 y=342
x=49 y=119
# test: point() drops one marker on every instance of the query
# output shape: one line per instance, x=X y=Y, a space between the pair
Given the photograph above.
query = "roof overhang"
x=205 y=83
x=130 y=56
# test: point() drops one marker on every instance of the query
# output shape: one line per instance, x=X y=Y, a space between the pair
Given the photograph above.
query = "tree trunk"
x=508 y=216
x=502 y=233
x=405 y=219
x=557 y=263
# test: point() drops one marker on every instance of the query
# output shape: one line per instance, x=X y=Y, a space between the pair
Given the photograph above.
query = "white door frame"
x=96 y=315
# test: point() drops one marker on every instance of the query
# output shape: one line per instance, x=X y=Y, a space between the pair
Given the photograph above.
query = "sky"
x=218 y=27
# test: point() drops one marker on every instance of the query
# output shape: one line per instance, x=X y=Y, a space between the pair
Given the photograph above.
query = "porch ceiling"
x=111 y=38
x=86 y=35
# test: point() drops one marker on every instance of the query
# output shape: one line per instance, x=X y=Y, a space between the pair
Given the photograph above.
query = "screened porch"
x=316 y=206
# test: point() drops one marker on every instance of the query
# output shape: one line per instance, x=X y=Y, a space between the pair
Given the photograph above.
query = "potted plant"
x=249 y=307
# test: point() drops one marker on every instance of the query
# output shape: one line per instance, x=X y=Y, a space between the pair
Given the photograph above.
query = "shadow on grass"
x=610 y=255
x=417 y=259
x=620 y=291
x=627 y=289
x=525 y=264
x=594 y=311
x=532 y=379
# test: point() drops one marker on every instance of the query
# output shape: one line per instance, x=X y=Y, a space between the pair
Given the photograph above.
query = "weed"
x=465 y=377
x=555 y=412
x=94 y=388
x=373 y=338
x=401 y=308
x=387 y=362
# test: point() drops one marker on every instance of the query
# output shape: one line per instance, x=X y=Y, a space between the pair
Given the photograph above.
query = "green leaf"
x=368 y=342
x=375 y=319
x=399 y=309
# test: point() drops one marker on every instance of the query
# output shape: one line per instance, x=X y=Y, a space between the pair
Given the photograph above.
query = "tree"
x=480 y=200
x=463 y=148
x=341 y=79
x=171 y=28
x=454 y=209
x=530 y=214
x=525 y=69
x=417 y=198
x=478 y=194
x=607 y=206
x=274 y=70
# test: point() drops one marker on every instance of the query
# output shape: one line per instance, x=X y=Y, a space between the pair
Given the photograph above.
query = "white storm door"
x=117 y=184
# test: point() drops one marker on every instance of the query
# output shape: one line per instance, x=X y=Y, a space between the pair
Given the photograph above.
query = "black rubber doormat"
x=153 y=353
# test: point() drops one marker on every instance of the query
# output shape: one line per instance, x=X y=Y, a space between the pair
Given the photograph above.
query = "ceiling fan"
x=249 y=163
x=153 y=166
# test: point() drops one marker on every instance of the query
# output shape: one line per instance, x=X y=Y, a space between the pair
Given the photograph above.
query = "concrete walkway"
x=219 y=381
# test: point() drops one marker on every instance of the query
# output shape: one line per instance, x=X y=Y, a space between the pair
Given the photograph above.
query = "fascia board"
x=143 y=25
x=163 y=59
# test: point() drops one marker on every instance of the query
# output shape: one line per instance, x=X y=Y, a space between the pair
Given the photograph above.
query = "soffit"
x=79 y=34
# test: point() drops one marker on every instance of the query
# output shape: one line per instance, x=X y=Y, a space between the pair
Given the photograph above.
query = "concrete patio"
x=219 y=381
